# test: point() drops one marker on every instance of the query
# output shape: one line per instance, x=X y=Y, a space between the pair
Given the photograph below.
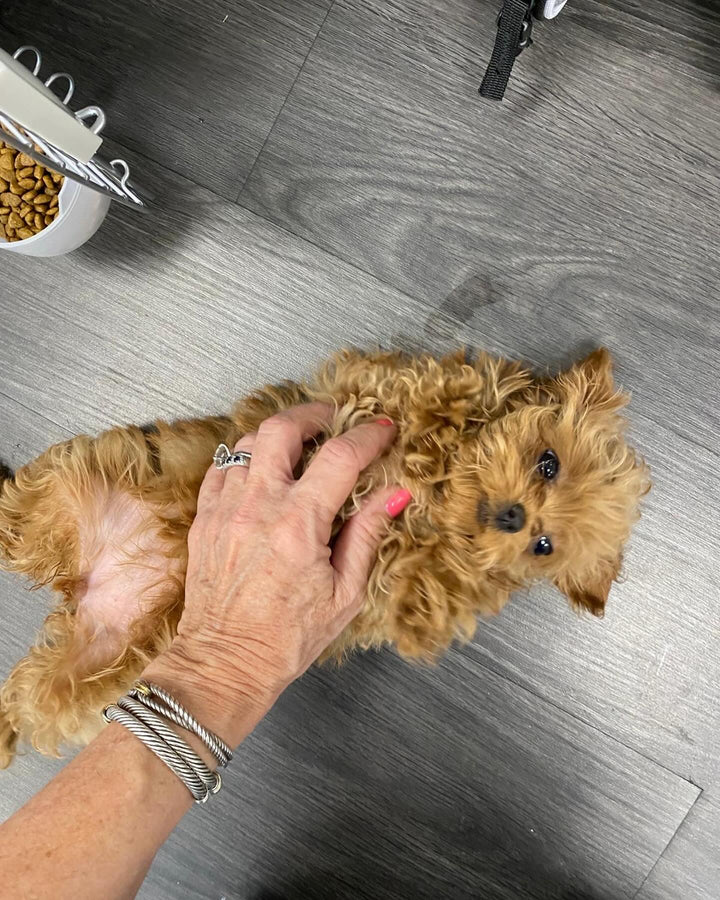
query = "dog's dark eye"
x=548 y=465
x=543 y=547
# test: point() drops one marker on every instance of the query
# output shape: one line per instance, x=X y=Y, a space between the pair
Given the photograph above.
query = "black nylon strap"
x=507 y=46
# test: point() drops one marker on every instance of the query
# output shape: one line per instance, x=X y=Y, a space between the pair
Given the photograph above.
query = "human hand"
x=264 y=593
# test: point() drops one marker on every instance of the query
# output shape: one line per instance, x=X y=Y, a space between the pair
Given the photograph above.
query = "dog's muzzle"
x=511 y=519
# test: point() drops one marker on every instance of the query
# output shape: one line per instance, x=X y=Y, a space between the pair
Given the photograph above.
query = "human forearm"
x=97 y=826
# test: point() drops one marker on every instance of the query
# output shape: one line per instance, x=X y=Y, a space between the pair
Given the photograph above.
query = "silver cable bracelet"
x=158 y=699
x=142 y=710
x=154 y=742
x=211 y=780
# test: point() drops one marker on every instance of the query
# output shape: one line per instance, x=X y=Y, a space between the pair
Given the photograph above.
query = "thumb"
x=357 y=543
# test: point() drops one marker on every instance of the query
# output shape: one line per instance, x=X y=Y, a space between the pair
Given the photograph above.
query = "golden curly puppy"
x=514 y=478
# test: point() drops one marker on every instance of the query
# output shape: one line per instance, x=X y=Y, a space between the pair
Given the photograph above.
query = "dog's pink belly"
x=125 y=564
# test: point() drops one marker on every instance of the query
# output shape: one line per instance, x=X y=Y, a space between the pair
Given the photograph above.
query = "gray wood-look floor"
x=326 y=174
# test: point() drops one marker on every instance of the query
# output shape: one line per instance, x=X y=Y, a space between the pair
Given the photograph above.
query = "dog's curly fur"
x=104 y=521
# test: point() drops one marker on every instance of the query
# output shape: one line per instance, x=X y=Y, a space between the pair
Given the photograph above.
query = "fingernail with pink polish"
x=384 y=421
x=397 y=503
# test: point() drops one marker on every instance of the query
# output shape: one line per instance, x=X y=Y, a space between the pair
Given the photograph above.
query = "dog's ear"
x=594 y=375
x=590 y=592
x=589 y=385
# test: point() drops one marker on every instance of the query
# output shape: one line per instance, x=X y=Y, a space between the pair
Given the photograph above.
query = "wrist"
x=221 y=699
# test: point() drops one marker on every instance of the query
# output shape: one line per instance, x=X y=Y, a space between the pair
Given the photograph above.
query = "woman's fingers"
x=357 y=543
x=335 y=469
x=276 y=449
x=210 y=489
x=278 y=445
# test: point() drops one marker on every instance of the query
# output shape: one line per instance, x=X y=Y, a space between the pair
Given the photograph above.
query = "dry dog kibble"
x=28 y=195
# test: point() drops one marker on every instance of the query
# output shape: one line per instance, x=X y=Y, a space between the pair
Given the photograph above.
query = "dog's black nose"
x=511 y=519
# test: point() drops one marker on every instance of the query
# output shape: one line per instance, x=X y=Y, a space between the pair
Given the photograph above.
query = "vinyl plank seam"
x=34 y=412
x=326 y=251
x=631 y=16
x=696 y=443
x=163 y=164
x=166 y=168
x=686 y=68
x=401 y=292
x=585 y=20
x=578 y=718
x=633 y=20
x=669 y=843
x=284 y=103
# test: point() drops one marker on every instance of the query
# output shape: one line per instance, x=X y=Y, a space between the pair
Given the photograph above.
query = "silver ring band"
x=225 y=459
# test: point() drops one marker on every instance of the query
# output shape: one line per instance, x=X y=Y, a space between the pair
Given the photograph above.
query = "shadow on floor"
x=399 y=796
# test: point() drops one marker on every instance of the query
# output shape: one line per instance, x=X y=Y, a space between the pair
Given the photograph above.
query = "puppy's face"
x=551 y=489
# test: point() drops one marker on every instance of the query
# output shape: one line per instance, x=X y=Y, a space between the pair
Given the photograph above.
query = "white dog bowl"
x=81 y=213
